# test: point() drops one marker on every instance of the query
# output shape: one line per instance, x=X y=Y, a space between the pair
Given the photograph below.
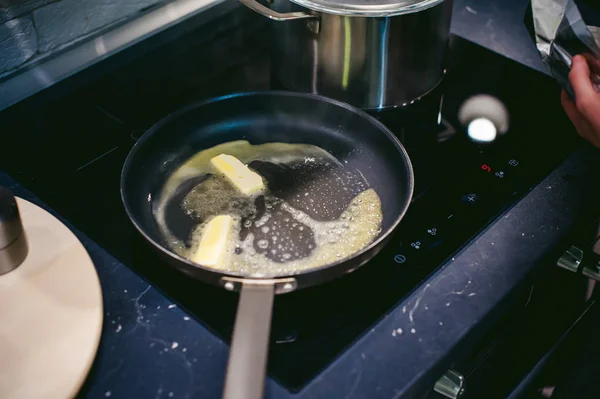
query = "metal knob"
x=13 y=243
x=450 y=385
x=571 y=259
x=575 y=260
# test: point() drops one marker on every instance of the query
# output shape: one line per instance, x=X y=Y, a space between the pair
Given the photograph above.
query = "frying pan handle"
x=247 y=367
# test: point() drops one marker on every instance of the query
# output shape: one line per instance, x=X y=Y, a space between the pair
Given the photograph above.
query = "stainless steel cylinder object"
x=13 y=242
x=450 y=385
x=372 y=54
x=587 y=262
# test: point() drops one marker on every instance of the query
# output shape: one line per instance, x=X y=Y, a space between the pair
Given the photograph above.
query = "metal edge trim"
x=57 y=68
x=363 y=10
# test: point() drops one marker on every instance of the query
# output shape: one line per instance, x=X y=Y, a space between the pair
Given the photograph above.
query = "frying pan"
x=348 y=133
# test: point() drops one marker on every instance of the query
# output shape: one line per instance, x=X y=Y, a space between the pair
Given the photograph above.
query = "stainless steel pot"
x=369 y=53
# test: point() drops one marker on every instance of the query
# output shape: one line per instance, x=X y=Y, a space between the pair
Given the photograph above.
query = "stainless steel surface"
x=592 y=271
x=54 y=68
x=10 y=222
x=13 y=243
x=274 y=15
x=575 y=259
x=281 y=285
x=571 y=259
x=450 y=385
x=368 y=8
x=12 y=256
x=246 y=371
x=369 y=62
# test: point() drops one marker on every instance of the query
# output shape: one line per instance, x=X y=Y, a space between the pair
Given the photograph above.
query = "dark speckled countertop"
x=152 y=349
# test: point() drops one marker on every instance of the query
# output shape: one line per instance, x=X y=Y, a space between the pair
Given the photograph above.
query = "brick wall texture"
x=32 y=28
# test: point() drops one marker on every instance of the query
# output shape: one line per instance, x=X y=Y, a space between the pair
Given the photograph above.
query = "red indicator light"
x=486 y=168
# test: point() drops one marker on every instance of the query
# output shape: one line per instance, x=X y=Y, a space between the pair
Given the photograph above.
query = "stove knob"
x=13 y=243
x=571 y=259
x=574 y=260
x=450 y=385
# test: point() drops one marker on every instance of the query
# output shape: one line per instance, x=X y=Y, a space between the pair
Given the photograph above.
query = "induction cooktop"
x=70 y=154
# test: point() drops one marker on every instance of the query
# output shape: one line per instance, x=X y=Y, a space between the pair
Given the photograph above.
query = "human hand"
x=584 y=112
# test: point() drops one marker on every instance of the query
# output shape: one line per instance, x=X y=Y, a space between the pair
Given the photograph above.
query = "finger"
x=591 y=60
x=571 y=110
x=580 y=80
x=593 y=63
x=583 y=128
x=585 y=132
x=569 y=105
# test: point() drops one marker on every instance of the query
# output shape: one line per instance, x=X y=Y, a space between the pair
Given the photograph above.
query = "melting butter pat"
x=213 y=242
x=245 y=180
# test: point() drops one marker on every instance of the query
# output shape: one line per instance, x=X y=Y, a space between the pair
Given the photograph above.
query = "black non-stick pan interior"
x=265 y=117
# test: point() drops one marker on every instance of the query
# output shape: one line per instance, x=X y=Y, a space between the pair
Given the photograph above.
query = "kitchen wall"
x=32 y=29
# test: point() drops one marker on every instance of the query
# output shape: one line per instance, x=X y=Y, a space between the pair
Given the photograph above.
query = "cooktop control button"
x=416 y=245
x=470 y=199
x=400 y=259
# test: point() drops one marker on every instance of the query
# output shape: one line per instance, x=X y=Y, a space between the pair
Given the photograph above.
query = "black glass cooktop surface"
x=70 y=153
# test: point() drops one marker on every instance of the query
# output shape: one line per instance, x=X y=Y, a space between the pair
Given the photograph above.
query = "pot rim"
x=359 y=8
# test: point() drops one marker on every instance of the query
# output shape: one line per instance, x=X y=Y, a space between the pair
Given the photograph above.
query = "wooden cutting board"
x=50 y=313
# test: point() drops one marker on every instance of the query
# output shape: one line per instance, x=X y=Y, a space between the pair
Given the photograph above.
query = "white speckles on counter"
x=413 y=331
x=184 y=349
x=107 y=394
x=441 y=323
x=170 y=394
x=125 y=291
x=186 y=318
x=447 y=304
x=174 y=345
x=412 y=311
x=158 y=307
x=397 y=332
x=472 y=294
x=119 y=328
x=171 y=306
x=403 y=309
x=472 y=11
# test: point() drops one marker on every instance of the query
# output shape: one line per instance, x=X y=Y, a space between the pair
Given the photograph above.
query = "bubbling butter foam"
x=272 y=237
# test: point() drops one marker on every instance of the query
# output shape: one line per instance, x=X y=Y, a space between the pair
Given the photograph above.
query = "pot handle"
x=277 y=16
x=247 y=367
